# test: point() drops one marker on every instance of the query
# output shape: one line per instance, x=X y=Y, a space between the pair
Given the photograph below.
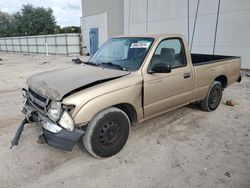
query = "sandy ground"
x=183 y=148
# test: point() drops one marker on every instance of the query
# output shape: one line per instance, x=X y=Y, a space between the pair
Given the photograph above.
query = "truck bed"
x=200 y=59
x=225 y=68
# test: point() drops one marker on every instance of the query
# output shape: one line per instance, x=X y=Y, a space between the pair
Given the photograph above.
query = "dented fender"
x=95 y=105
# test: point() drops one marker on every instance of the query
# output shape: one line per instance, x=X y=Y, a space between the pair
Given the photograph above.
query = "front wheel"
x=213 y=98
x=107 y=133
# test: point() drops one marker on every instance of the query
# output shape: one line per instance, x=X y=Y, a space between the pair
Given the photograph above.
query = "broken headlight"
x=55 y=110
x=66 y=121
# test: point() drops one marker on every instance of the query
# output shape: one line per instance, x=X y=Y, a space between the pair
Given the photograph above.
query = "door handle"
x=186 y=75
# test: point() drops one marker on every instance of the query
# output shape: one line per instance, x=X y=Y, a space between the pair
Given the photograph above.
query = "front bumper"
x=53 y=134
x=64 y=139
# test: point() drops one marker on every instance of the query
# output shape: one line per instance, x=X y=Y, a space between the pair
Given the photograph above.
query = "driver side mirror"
x=160 y=68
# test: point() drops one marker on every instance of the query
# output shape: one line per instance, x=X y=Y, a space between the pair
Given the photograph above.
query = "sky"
x=67 y=12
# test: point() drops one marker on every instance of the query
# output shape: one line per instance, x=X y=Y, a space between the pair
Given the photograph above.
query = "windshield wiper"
x=78 y=61
x=115 y=65
x=89 y=63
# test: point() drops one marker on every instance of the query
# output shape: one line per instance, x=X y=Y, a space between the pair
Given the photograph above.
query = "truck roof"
x=155 y=36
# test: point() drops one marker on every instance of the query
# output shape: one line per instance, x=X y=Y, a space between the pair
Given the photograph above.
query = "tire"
x=213 y=98
x=107 y=133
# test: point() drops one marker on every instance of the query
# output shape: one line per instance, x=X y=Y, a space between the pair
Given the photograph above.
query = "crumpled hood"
x=57 y=83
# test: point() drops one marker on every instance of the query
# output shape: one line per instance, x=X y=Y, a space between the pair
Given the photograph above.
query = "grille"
x=38 y=101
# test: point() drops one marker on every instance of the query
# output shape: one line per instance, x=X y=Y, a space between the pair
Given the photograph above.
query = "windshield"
x=127 y=53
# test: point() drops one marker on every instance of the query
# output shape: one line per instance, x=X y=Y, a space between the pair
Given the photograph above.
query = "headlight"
x=69 y=108
x=66 y=121
x=55 y=110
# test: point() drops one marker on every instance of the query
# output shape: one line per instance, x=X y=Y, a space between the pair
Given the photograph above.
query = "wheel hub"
x=109 y=133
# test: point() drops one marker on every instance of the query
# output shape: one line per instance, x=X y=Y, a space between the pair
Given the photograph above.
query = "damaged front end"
x=58 y=126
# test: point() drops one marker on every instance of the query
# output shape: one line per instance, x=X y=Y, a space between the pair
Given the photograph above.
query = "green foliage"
x=31 y=20
x=6 y=24
x=70 y=29
x=35 y=21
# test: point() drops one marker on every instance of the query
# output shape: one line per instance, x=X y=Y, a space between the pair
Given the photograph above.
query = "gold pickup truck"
x=129 y=80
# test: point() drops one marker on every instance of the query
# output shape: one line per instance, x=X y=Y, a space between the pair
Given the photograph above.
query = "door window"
x=170 y=51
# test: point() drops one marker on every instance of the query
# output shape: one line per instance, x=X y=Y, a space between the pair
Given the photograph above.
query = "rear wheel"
x=213 y=98
x=107 y=133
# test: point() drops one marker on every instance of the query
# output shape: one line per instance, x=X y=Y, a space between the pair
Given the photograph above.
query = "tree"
x=31 y=20
x=70 y=29
x=28 y=21
x=6 y=22
x=35 y=21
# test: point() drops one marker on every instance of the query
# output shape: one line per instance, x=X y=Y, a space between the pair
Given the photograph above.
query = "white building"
x=117 y=17
x=101 y=19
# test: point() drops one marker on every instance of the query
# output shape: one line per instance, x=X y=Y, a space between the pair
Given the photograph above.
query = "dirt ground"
x=183 y=148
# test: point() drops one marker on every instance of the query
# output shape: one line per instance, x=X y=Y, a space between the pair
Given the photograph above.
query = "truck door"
x=164 y=91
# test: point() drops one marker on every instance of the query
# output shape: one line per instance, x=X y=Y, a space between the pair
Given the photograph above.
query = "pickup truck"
x=129 y=80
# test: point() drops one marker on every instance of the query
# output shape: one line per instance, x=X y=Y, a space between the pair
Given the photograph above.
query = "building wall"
x=170 y=16
x=92 y=7
x=95 y=21
x=115 y=14
x=107 y=15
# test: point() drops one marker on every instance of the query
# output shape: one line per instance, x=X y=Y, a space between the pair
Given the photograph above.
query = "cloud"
x=66 y=12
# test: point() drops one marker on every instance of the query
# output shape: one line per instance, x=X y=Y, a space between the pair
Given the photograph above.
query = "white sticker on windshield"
x=140 y=45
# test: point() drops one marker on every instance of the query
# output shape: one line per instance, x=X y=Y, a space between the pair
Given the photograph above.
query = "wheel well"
x=223 y=80
x=129 y=110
